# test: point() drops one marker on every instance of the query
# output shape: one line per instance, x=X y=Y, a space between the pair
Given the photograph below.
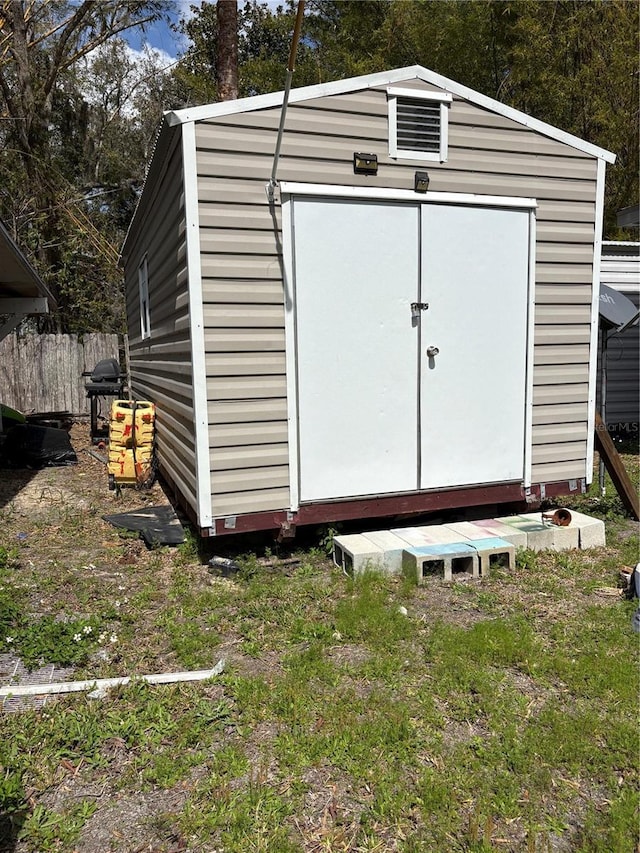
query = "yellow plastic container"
x=127 y=468
x=131 y=422
x=131 y=448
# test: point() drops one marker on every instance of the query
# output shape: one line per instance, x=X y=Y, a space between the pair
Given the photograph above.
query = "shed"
x=22 y=291
x=620 y=269
x=409 y=325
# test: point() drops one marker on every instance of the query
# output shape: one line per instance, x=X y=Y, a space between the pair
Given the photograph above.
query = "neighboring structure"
x=629 y=217
x=620 y=269
x=22 y=291
x=409 y=325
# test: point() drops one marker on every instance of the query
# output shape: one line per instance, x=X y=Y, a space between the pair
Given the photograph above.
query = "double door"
x=410 y=327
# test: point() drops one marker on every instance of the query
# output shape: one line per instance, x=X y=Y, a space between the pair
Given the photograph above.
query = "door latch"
x=417 y=307
x=432 y=352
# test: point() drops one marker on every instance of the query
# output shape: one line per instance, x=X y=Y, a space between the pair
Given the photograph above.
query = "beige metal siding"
x=161 y=364
x=243 y=275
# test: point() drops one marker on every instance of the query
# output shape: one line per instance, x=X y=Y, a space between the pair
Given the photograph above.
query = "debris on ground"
x=34 y=446
x=157 y=525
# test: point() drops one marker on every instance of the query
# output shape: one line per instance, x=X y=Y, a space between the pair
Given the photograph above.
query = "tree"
x=54 y=151
x=574 y=65
x=227 y=50
x=264 y=40
x=570 y=63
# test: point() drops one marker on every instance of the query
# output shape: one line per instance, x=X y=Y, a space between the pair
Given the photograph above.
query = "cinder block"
x=435 y=534
x=392 y=547
x=355 y=553
x=564 y=538
x=488 y=528
x=447 y=560
x=539 y=536
x=542 y=536
x=591 y=531
x=494 y=551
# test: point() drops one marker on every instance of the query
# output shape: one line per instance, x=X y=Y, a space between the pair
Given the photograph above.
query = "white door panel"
x=475 y=279
x=376 y=413
x=356 y=274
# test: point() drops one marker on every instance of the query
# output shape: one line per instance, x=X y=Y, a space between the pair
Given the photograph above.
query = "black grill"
x=105 y=380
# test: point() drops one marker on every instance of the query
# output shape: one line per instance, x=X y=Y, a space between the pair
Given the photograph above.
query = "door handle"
x=417 y=307
x=432 y=351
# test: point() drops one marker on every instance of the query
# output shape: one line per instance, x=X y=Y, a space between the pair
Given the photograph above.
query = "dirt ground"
x=54 y=517
x=49 y=491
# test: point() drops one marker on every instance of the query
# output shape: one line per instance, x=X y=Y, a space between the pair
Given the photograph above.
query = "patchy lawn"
x=496 y=715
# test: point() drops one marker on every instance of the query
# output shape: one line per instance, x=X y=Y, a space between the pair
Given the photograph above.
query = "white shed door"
x=356 y=274
x=475 y=270
x=376 y=413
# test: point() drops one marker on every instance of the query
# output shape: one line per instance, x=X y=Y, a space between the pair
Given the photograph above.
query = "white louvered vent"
x=418 y=124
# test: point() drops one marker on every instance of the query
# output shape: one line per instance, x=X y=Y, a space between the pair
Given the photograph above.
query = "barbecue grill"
x=105 y=380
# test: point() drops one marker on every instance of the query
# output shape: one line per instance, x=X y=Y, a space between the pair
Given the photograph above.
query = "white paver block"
x=355 y=554
x=487 y=528
x=435 y=534
x=539 y=536
x=542 y=536
x=591 y=531
x=564 y=538
x=391 y=545
x=448 y=558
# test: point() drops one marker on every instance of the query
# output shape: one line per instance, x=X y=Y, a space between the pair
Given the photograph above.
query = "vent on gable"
x=418 y=124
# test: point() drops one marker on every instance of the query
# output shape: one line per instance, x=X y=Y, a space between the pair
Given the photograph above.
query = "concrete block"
x=434 y=534
x=391 y=545
x=445 y=560
x=591 y=531
x=494 y=551
x=564 y=538
x=541 y=537
x=487 y=528
x=355 y=554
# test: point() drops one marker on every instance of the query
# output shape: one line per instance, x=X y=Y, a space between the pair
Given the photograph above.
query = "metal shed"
x=410 y=325
x=22 y=291
x=620 y=269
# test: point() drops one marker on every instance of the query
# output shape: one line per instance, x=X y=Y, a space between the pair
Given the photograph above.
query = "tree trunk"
x=227 y=52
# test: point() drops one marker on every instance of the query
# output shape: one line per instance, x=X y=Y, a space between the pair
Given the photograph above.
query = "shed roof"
x=369 y=81
x=22 y=291
x=17 y=276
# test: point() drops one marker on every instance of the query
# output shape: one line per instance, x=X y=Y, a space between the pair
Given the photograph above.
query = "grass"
x=358 y=714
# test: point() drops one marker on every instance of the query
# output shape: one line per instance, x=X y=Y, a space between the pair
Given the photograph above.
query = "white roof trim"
x=419 y=94
x=386 y=78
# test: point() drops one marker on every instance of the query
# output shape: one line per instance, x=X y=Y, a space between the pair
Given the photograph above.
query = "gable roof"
x=369 y=81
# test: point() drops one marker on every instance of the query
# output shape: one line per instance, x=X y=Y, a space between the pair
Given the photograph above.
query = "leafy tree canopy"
x=79 y=112
x=571 y=63
x=74 y=135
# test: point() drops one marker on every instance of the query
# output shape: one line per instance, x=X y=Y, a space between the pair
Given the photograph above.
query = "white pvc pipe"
x=99 y=686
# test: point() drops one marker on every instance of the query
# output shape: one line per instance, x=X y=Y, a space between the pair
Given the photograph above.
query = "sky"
x=166 y=41
x=159 y=36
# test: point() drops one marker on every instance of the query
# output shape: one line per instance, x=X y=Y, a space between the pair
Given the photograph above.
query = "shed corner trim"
x=196 y=322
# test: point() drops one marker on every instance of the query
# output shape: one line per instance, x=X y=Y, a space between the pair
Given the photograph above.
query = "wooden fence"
x=43 y=373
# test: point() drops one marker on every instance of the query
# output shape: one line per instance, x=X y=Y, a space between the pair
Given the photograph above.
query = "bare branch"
x=101 y=39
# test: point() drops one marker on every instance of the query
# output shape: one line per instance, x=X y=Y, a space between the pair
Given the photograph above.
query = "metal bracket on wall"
x=417 y=307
